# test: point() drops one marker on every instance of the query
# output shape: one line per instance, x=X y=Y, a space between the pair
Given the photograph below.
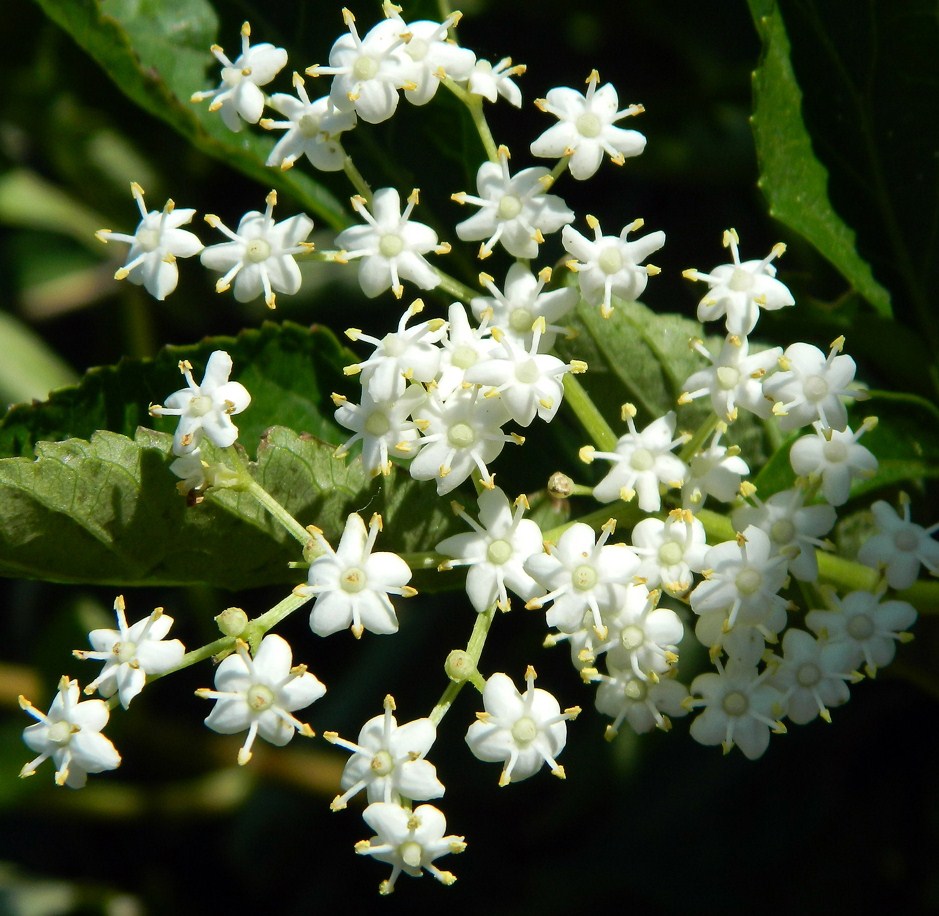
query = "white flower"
x=739 y=290
x=388 y=760
x=811 y=675
x=582 y=575
x=391 y=246
x=871 y=627
x=809 y=386
x=740 y=708
x=520 y=730
x=429 y=56
x=642 y=461
x=351 y=584
x=461 y=348
x=369 y=71
x=383 y=427
x=490 y=81
x=836 y=457
x=714 y=471
x=408 y=841
x=402 y=356
x=900 y=546
x=587 y=128
x=523 y=301
x=312 y=129
x=130 y=653
x=609 y=265
x=205 y=408
x=670 y=550
x=71 y=735
x=513 y=209
x=742 y=580
x=259 y=257
x=639 y=701
x=260 y=693
x=794 y=529
x=238 y=96
x=530 y=383
x=155 y=245
x=495 y=551
x=734 y=379
x=459 y=435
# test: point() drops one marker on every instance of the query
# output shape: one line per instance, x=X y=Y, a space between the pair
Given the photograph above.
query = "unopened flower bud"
x=232 y=621
x=459 y=666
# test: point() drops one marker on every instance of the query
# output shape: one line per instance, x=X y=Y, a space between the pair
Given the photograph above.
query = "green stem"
x=278 y=512
x=361 y=186
x=474 y=649
x=474 y=105
x=690 y=448
x=559 y=169
x=590 y=417
x=258 y=627
x=454 y=287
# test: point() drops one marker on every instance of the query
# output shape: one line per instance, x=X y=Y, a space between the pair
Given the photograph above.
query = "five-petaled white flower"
x=900 y=546
x=155 y=245
x=587 y=128
x=495 y=551
x=71 y=735
x=130 y=653
x=835 y=457
x=520 y=730
x=259 y=257
x=312 y=129
x=429 y=55
x=492 y=80
x=239 y=96
x=739 y=290
x=260 y=693
x=388 y=760
x=391 y=246
x=408 y=841
x=513 y=209
x=367 y=72
x=809 y=386
x=351 y=584
x=609 y=265
x=205 y=408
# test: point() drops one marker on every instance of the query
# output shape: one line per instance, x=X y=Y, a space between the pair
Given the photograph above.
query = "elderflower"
x=900 y=546
x=587 y=128
x=155 y=245
x=408 y=841
x=739 y=290
x=513 y=209
x=239 y=96
x=259 y=258
x=520 y=730
x=391 y=246
x=835 y=457
x=644 y=704
x=206 y=408
x=388 y=760
x=312 y=129
x=71 y=735
x=350 y=585
x=495 y=551
x=130 y=653
x=260 y=693
x=609 y=265
x=492 y=80
x=367 y=72
x=809 y=386
x=641 y=463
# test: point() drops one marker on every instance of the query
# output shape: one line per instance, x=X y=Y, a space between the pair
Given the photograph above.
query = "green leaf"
x=157 y=53
x=29 y=368
x=106 y=511
x=793 y=180
x=290 y=372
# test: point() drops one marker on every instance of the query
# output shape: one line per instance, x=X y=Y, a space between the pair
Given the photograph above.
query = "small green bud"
x=232 y=621
x=460 y=666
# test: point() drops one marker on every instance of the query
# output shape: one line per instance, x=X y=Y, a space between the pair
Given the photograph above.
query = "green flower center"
x=808 y=675
x=632 y=638
x=584 y=577
x=782 y=531
x=411 y=853
x=382 y=763
x=815 y=388
x=521 y=321
x=906 y=540
x=148 y=239
x=524 y=731
x=499 y=552
x=509 y=207
x=461 y=435
x=390 y=245
x=671 y=553
x=527 y=372
x=727 y=377
x=610 y=260
x=834 y=451
x=200 y=405
x=735 y=703
x=589 y=125
x=125 y=651
x=259 y=697
x=365 y=68
x=860 y=627
x=309 y=125
x=353 y=580
x=257 y=250
x=636 y=690
x=464 y=356
x=60 y=733
x=641 y=460
x=741 y=281
x=748 y=581
x=377 y=423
